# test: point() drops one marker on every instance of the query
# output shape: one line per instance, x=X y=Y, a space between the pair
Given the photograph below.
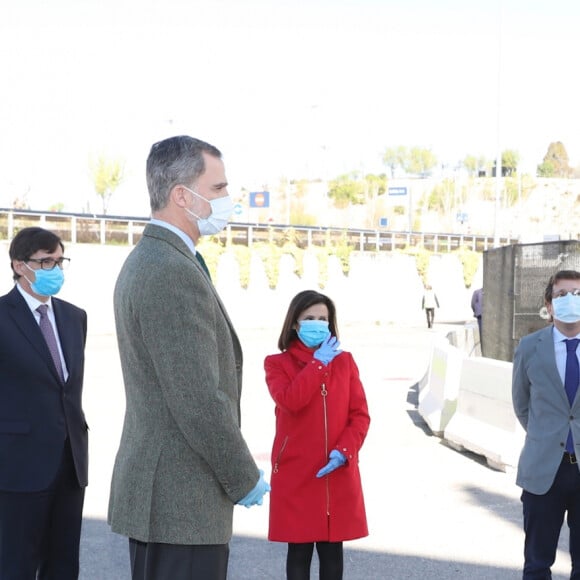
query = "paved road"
x=433 y=512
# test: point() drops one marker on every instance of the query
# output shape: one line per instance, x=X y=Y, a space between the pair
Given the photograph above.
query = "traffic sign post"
x=402 y=191
x=259 y=199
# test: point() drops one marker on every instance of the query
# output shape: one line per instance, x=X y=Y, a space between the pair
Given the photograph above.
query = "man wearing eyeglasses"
x=43 y=432
x=545 y=384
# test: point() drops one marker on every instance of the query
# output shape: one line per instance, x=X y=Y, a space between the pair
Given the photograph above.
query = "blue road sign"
x=238 y=209
x=259 y=199
x=397 y=191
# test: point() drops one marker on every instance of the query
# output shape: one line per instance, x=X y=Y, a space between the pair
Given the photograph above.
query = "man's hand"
x=256 y=496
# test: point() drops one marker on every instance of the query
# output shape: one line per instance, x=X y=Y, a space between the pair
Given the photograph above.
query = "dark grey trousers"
x=153 y=561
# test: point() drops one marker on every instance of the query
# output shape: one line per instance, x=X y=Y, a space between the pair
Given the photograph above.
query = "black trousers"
x=543 y=519
x=153 y=561
x=430 y=314
x=40 y=531
x=330 y=559
x=479 y=326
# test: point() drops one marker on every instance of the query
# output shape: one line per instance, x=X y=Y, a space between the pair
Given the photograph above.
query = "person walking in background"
x=429 y=303
x=477 y=307
x=43 y=431
x=545 y=383
x=182 y=461
x=321 y=423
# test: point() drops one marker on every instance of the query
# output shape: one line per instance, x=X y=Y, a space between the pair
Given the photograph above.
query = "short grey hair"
x=174 y=161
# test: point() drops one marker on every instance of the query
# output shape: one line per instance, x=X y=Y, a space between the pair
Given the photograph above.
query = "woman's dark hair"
x=301 y=302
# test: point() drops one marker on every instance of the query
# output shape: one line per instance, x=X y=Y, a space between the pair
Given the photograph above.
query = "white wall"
x=381 y=287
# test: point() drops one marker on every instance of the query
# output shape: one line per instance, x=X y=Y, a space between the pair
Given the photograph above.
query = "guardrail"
x=106 y=229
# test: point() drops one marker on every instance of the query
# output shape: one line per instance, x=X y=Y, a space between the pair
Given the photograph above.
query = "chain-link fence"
x=514 y=280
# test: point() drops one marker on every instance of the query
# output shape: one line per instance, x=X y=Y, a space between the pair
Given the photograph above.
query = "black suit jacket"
x=38 y=412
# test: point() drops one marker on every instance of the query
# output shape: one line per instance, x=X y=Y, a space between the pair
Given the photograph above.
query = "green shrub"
x=271 y=252
x=243 y=255
x=422 y=259
x=470 y=261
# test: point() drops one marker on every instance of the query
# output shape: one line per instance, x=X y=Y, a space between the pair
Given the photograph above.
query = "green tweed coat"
x=182 y=462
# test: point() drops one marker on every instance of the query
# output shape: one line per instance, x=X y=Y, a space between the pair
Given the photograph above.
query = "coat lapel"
x=25 y=322
x=547 y=360
x=63 y=322
x=173 y=239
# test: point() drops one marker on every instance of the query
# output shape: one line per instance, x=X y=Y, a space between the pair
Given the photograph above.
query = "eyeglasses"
x=50 y=263
x=562 y=293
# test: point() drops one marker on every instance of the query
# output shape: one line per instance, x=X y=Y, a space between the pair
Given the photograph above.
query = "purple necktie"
x=48 y=333
x=572 y=377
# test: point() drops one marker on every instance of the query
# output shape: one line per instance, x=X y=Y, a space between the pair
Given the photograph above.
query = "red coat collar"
x=300 y=351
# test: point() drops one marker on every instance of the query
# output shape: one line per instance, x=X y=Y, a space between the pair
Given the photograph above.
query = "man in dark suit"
x=546 y=374
x=182 y=462
x=43 y=432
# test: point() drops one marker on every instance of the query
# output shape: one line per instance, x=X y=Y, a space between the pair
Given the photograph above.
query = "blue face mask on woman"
x=313 y=332
x=48 y=282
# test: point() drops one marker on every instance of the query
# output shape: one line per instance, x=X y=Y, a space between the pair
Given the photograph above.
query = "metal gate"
x=514 y=280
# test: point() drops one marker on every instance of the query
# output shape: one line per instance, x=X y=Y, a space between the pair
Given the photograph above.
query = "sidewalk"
x=433 y=513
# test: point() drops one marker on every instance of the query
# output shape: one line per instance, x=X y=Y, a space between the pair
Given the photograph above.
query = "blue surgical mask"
x=48 y=282
x=567 y=308
x=313 y=332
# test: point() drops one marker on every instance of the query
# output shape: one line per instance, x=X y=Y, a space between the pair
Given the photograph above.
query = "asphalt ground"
x=433 y=512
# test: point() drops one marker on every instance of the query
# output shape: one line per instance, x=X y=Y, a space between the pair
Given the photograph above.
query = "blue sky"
x=299 y=88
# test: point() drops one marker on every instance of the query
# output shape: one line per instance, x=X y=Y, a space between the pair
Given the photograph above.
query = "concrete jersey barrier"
x=484 y=421
x=466 y=400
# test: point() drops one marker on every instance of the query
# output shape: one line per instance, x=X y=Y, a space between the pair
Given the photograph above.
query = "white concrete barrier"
x=484 y=421
x=467 y=338
x=439 y=391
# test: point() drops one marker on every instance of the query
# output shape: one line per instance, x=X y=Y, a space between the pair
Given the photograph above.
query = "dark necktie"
x=50 y=338
x=571 y=380
x=203 y=264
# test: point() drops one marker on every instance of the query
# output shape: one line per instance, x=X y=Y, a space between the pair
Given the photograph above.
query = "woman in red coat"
x=321 y=422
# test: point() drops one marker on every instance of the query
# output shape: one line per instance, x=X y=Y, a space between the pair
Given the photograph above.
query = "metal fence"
x=514 y=280
x=104 y=229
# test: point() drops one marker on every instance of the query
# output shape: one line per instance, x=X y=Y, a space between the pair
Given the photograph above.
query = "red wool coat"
x=318 y=408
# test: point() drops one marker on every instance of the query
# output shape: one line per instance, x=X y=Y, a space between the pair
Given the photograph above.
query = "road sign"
x=259 y=199
x=397 y=191
x=238 y=209
x=461 y=216
x=383 y=222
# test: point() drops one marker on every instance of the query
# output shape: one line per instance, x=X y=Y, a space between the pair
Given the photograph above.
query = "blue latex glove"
x=337 y=459
x=256 y=496
x=328 y=350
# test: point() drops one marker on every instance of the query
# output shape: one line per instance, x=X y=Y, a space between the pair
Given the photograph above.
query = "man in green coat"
x=182 y=461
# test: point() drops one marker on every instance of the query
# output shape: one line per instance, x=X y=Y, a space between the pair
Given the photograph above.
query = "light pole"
x=498 y=165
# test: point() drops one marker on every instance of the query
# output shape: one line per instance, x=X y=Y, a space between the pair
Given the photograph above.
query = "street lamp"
x=498 y=164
